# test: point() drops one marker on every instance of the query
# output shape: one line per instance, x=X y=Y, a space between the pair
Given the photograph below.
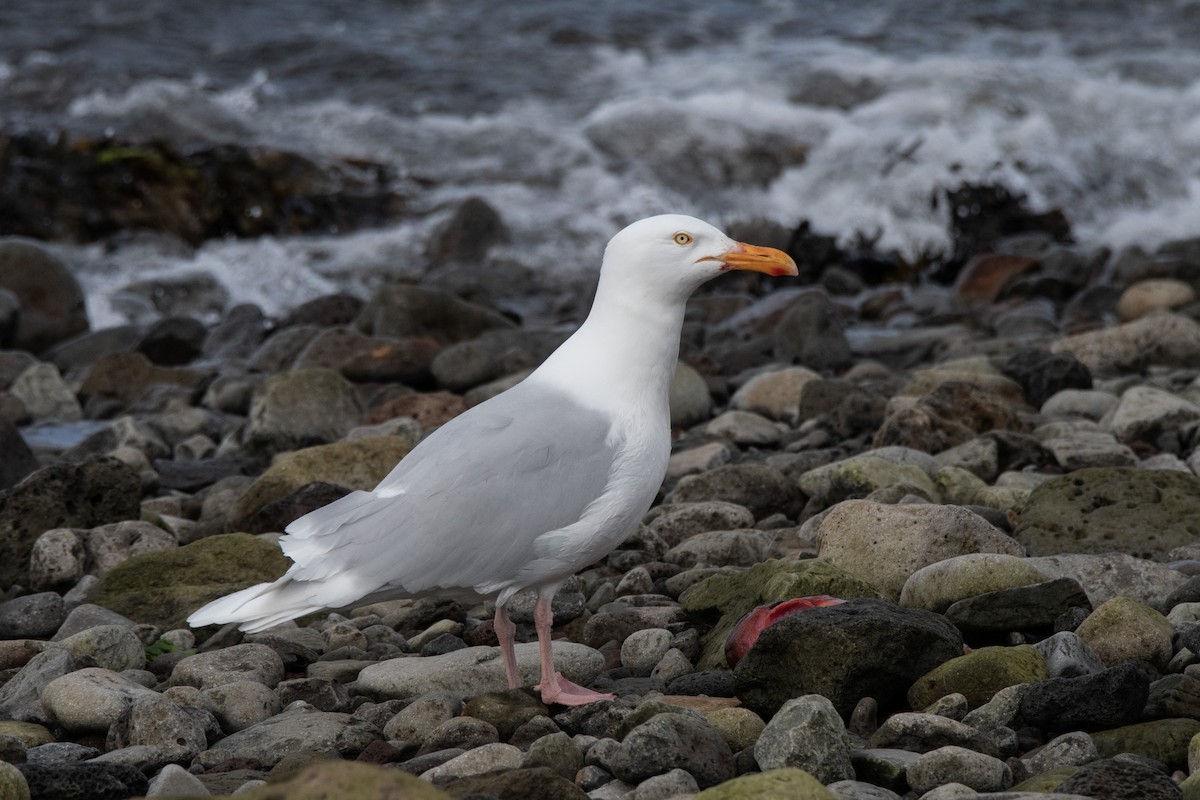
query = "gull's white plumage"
x=534 y=484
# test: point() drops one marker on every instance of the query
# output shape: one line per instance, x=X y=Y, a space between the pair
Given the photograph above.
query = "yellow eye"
x=682 y=238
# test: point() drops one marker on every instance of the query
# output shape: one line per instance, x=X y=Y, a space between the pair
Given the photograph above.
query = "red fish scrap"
x=747 y=631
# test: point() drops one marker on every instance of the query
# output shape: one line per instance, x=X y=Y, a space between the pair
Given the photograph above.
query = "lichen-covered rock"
x=939 y=585
x=760 y=488
x=301 y=729
x=979 y=675
x=808 y=733
x=885 y=544
x=358 y=464
x=1123 y=629
x=162 y=588
x=789 y=783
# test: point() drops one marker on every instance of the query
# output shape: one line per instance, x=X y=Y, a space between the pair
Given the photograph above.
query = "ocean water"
x=572 y=118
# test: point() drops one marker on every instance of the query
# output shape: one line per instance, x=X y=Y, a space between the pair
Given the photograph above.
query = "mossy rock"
x=979 y=675
x=1143 y=513
x=358 y=464
x=162 y=588
x=788 y=783
x=1164 y=740
x=733 y=596
x=348 y=779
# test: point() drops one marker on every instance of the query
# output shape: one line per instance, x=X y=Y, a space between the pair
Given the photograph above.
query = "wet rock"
x=96 y=492
x=1106 y=699
x=51 y=300
x=979 y=675
x=852 y=537
x=674 y=741
x=1136 y=512
x=301 y=408
x=939 y=585
x=162 y=588
x=807 y=733
x=760 y=488
x=861 y=648
x=326 y=311
x=19 y=461
x=45 y=394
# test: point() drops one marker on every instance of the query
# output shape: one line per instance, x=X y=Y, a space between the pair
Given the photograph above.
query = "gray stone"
x=1087 y=449
x=860 y=790
x=1087 y=403
x=1143 y=413
x=744 y=428
x=674 y=741
x=86 y=616
x=422 y=716
x=698 y=459
x=301 y=408
x=293 y=731
x=13 y=785
x=943 y=583
x=921 y=733
x=253 y=662
x=741 y=548
x=34 y=616
x=1108 y=575
x=645 y=648
x=241 y=703
x=555 y=751
x=489 y=757
x=760 y=488
x=472 y=670
x=53 y=753
x=176 y=733
x=21 y=696
x=1068 y=656
x=58 y=558
x=175 y=781
x=808 y=733
x=775 y=393
x=952 y=764
x=860 y=475
x=90 y=700
x=663 y=787
x=679 y=521
x=689 y=398
x=113 y=647
x=1068 y=750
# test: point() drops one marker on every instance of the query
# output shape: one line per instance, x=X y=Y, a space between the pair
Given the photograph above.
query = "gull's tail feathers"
x=268 y=604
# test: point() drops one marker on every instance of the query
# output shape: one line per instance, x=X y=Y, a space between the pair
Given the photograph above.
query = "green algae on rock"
x=163 y=587
x=979 y=675
x=1143 y=513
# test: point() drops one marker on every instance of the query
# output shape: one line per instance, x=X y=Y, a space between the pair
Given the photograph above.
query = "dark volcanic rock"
x=1120 y=779
x=1042 y=373
x=86 y=190
x=18 y=460
x=1020 y=608
x=173 y=341
x=98 y=491
x=1105 y=699
x=84 y=781
x=812 y=333
x=861 y=648
x=762 y=489
x=278 y=514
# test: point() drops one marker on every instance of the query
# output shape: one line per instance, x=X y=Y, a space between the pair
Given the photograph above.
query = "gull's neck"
x=624 y=354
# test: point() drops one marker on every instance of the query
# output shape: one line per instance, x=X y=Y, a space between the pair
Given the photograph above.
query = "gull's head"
x=672 y=255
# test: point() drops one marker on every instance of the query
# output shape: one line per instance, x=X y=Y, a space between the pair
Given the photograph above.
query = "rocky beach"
x=992 y=459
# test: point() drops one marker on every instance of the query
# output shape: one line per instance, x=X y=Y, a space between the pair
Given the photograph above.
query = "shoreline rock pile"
x=998 y=476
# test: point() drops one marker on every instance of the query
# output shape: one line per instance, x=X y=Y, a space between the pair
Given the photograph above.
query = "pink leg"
x=506 y=630
x=554 y=687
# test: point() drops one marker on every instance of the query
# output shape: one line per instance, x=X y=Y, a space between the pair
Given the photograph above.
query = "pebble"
x=1034 y=503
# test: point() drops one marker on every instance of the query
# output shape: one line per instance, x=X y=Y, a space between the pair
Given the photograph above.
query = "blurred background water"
x=572 y=119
